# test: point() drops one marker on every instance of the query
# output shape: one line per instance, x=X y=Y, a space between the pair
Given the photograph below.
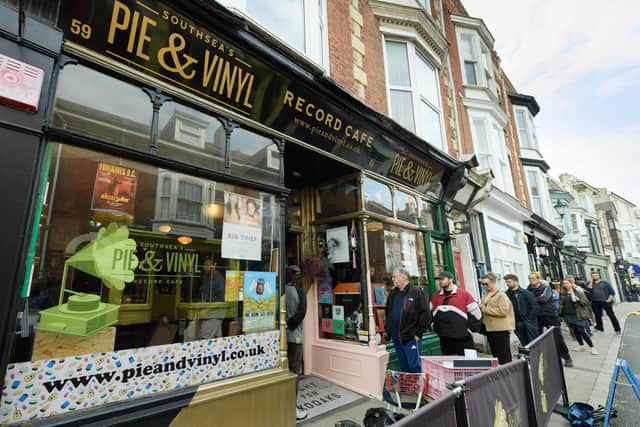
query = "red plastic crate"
x=440 y=376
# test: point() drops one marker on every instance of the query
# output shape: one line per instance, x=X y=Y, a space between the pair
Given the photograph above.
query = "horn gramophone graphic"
x=109 y=257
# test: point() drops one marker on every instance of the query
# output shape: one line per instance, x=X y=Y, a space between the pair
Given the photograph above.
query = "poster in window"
x=338 y=319
x=233 y=283
x=338 y=244
x=392 y=250
x=114 y=192
x=241 y=227
x=259 y=307
x=325 y=290
x=409 y=253
x=326 y=324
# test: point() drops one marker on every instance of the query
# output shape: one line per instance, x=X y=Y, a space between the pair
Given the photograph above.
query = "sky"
x=580 y=59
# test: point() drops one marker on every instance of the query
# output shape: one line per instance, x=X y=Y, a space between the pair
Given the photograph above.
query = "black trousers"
x=580 y=333
x=549 y=321
x=455 y=346
x=597 y=307
x=500 y=345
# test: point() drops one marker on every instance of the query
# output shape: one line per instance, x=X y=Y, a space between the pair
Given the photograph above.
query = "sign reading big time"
x=153 y=38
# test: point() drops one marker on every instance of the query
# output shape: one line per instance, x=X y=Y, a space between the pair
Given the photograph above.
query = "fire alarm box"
x=20 y=84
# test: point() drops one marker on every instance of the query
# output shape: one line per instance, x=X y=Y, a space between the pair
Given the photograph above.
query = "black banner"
x=153 y=38
x=440 y=412
x=547 y=378
x=499 y=397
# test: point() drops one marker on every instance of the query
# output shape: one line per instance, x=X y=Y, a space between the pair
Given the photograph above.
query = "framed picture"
x=380 y=318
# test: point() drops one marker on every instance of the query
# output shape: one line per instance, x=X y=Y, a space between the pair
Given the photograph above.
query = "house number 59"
x=78 y=28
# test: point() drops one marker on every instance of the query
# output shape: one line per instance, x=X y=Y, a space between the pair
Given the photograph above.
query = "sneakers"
x=594 y=351
x=579 y=348
x=301 y=414
x=568 y=363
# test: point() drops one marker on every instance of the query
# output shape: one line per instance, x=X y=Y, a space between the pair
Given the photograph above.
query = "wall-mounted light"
x=185 y=240
x=165 y=228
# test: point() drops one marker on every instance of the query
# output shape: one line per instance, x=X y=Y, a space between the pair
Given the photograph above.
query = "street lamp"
x=561 y=207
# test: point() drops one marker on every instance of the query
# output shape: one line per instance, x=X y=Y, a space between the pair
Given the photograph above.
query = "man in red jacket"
x=455 y=315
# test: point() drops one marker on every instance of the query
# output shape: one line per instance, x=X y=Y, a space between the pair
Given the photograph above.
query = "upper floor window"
x=526 y=129
x=414 y=94
x=491 y=149
x=585 y=202
x=536 y=193
x=476 y=61
x=300 y=23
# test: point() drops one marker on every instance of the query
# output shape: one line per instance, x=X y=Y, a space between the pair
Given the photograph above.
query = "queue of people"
x=454 y=314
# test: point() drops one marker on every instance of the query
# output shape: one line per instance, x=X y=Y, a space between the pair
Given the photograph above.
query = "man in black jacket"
x=407 y=317
x=525 y=308
x=547 y=314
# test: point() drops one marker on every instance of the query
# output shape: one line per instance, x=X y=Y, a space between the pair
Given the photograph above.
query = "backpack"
x=380 y=417
x=296 y=319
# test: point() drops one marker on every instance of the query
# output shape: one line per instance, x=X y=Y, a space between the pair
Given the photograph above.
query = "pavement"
x=588 y=381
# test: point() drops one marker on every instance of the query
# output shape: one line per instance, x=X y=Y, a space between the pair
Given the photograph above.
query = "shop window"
x=377 y=197
x=337 y=198
x=390 y=246
x=428 y=215
x=103 y=107
x=341 y=310
x=252 y=157
x=438 y=257
x=406 y=207
x=190 y=136
x=165 y=265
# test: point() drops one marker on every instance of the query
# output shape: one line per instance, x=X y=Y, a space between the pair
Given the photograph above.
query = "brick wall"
x=340 y=51
x=376 y=91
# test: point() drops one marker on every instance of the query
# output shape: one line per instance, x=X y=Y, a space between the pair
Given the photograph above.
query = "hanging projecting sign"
x=157 y=40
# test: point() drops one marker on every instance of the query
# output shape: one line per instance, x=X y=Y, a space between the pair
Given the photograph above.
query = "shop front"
x=182 y=163
x=542 y=246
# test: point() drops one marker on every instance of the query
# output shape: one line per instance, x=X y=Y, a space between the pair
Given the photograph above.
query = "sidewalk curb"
x=600 y=390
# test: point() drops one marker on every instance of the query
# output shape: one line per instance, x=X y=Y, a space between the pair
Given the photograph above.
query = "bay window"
x=489 y=144
x=414 y=93
x=475 y=58
x=526 y=129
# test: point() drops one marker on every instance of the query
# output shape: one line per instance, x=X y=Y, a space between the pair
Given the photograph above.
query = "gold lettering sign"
x=411 y=171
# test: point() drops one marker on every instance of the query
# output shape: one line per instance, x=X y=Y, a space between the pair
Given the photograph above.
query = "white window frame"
x=480 y=57
x=416 y=98
x=494 y=154
x=425 y=5
x=528 y=126
x=316 y=38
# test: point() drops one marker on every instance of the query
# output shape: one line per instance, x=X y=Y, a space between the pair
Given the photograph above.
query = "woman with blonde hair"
x=574 y=308
x=498 y=318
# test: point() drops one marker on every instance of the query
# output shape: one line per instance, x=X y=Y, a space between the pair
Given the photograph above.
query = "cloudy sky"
x=581 y=61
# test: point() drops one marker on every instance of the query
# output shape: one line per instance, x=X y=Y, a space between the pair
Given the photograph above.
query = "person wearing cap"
x=455 y=315
x=296 y=302
x=407 y=317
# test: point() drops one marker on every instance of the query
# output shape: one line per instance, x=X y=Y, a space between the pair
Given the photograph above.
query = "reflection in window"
x=103 y=107
x=337 y=198
x=428 y=214
x=190 y=136
x=406 y=207
x=438 y=258
x=182 y=288
x=390 y=247
x=254 y=156
x=377 y=197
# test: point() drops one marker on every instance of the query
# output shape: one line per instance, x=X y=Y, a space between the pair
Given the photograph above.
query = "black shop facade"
x=171 y=168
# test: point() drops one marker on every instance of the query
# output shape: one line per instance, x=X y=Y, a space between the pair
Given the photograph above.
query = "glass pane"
x=405 y=207
x=340 y=294
x=337 y=198
x=402 y=108
x=466 y=47
x=192 y=268
x=426 y=77
x=470 y=73
x=430 y=127
x=100 y=106
x=533 y=183
x=482 y=143
x=398 y=64
x=188 y=135
x=285 y=18
x=437 y=256
x=377 y=197
x=389 y=247
x=255 y=157
x=428 y=215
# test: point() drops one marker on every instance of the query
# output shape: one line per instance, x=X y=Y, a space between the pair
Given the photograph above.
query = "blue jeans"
x=409 y=355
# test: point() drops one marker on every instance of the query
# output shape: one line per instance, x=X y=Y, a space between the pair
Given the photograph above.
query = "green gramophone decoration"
x=110 y=258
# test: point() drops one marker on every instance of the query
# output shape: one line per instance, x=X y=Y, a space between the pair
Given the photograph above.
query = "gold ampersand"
x=173 y=49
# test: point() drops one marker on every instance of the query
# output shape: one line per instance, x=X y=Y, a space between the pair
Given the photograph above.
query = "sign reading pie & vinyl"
x=153 y=38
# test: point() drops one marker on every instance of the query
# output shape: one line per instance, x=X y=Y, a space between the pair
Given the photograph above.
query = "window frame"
x=481 y=58
x=413 y=51
x=528 y=127
x=496 y=154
